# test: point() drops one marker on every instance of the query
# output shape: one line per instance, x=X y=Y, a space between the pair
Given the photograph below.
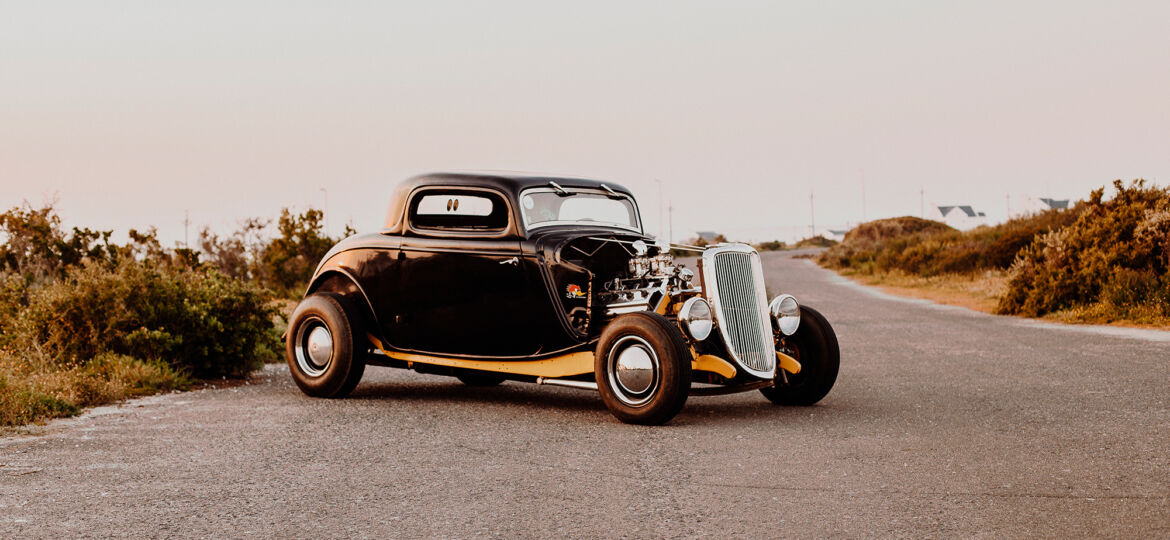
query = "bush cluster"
x=928 y=248
x=200 y=322
x=282 y=264
x=84 y=320
x=817 y=241
x=31 y=391
x=1106 y=258
x=1116 y=251
x=771 y=245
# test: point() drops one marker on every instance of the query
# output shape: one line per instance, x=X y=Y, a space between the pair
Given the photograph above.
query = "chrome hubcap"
x=320 y=346
x=633 y=370
x=314 y=348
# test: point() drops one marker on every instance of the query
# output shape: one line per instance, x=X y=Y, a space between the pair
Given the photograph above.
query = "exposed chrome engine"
x=623 y=275
x=648 y=280
x=628 y=276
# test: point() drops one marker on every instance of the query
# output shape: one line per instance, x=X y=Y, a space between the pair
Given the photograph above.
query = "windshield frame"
x=579 y=223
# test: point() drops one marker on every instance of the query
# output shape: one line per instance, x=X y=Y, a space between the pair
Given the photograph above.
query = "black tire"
x=669 y=380
x=814 y=345
x=479 y=378
x=339 y=373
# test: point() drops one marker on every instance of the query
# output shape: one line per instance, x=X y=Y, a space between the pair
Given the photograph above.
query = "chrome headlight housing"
x=785 y=312
x=696 y=318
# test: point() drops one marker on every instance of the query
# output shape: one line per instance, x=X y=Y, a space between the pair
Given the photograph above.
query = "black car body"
x=489 y=277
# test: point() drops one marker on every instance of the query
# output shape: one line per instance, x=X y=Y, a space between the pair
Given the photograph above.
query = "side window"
x=459 y=210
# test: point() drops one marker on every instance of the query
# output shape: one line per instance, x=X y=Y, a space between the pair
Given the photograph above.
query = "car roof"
x=510 y=184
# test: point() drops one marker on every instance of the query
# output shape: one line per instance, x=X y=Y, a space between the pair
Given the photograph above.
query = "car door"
x=463 y=288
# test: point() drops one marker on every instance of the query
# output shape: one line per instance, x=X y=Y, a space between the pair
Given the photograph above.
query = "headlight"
x=696 y=318
x=785 y=314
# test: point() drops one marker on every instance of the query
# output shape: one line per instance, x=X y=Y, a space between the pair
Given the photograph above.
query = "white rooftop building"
x=961 y=217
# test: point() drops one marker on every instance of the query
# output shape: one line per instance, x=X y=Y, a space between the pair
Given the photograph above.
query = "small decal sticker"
x=574 y=291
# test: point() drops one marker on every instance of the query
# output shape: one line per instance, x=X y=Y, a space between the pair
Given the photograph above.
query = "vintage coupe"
x=490 y=277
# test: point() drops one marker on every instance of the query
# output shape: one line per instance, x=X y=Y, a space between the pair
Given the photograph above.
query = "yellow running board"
x=565 y=365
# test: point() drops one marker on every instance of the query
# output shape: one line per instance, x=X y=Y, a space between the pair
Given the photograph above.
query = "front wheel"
x=643 y=368
x=324 y=348
x=814 y=345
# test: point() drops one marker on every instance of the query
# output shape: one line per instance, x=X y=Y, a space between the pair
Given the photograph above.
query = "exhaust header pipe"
x=583 y=385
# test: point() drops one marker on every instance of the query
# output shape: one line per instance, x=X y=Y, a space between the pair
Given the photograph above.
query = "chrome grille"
x=733 y=281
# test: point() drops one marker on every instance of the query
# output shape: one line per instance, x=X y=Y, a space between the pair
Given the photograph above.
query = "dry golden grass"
x=981 y=292
x=33 y=389
x=978 y=291
x=1140 y=316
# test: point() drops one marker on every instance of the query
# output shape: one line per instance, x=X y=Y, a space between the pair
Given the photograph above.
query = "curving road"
x=944 y=422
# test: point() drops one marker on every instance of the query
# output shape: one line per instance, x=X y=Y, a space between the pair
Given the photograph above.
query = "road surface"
x=943 y=422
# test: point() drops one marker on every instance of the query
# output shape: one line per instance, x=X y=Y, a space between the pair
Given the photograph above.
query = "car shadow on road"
x=509 y=393
x=698 y=411
x=704 y=411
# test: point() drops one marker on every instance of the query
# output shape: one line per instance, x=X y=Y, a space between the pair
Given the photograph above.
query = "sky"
x=137 y=114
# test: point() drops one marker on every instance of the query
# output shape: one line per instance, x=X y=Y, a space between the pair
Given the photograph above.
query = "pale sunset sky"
x=131 y=113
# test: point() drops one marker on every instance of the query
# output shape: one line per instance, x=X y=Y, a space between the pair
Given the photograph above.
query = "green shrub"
x=36 y=246
x=815 y=241
x=1115 y=250
x=22 y=404
x=883 y=244
x=927 y=248
x=1132 y=287
x=32 y=389
x=282 y=264
x=199 y=322
x=288 y=261
x=84 y=321
x=1102 y=260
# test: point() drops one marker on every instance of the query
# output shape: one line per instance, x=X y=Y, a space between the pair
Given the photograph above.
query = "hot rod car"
x=490 y=277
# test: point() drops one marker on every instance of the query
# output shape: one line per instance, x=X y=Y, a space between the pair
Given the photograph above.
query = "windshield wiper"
x=560 y=190
x=612 y=194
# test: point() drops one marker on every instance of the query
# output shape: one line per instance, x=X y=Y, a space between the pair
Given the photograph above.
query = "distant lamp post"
x=670 y=222
x=812 y=216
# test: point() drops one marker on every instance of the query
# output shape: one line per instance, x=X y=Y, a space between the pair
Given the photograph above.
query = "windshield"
x=542 y=207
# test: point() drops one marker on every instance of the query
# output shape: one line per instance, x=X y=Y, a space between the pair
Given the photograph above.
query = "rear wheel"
x=325 y=346
x=643 y=368
x=814 y=345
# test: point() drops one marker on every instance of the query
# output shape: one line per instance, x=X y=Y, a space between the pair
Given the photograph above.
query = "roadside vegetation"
x=1105 y=260
x=810 y=242
x=86 y=321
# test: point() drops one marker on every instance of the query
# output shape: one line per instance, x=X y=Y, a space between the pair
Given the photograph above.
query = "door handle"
x=514 y=261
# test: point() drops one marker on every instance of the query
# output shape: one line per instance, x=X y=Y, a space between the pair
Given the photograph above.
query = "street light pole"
x=670 y=214
x=812 y=215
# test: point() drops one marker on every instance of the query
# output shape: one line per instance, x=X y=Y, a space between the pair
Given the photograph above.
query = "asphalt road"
x=943 y=423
